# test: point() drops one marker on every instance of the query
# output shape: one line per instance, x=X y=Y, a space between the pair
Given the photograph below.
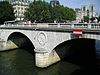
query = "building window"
x=18 y=8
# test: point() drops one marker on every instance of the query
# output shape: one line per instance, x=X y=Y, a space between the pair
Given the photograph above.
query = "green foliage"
x=70 y=14
x=86 y=19
x=41 y=11
x=6 y=12
x=57 y=13
x=92 y=19
x=38 y=11
x=98 y=18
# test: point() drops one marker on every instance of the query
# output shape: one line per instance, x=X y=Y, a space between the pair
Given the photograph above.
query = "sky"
x=79 y=3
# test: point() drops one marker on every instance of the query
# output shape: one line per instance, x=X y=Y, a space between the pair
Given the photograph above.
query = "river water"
x=21 y=62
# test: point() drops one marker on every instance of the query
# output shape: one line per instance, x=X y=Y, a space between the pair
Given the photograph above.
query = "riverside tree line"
x=39 y=11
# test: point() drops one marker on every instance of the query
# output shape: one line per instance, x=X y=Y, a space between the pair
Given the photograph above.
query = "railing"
x=55 y=25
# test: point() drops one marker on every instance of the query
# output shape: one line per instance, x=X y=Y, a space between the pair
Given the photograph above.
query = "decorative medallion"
x=42 y=38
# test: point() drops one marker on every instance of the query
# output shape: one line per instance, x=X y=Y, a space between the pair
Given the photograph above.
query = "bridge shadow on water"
x=80 y=52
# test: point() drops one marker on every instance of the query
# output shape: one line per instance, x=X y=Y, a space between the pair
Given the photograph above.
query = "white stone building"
x=20 y=7
x=78 y=14
x=85 y=11
x=92 y=11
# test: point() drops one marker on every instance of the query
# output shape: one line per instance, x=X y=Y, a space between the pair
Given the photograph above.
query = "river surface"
x=21 y=62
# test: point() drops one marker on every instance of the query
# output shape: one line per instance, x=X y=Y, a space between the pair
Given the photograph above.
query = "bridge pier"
x=11 y=45
x=45 y=59
x=7 y=45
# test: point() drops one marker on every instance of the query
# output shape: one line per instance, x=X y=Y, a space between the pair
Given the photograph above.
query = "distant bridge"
x=45 y=37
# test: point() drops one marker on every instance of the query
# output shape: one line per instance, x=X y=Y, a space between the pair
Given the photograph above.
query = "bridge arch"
x=78 y=50
x=21 y=40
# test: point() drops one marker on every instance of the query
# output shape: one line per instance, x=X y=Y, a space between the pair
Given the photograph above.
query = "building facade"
x=54 y=2
x=85 y=11
x=20 y=7
x=92 y=11
x=78 y=14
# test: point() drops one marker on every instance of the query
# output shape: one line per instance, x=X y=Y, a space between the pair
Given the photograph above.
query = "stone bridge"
x=45 y=38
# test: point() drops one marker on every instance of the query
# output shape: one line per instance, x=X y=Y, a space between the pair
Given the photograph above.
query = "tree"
x=86 y=19
x=98 y=18
x=41 y=11
x=70 y=14
x=38 y=11
x=6 y=12
x=57 y=13
x=92 y=19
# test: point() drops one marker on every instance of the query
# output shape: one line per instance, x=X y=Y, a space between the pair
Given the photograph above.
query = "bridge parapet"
x=87 y=25
x=54 y=25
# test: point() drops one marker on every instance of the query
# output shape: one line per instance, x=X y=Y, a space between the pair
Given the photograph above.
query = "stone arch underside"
x=78 y=51
x=20 y=40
